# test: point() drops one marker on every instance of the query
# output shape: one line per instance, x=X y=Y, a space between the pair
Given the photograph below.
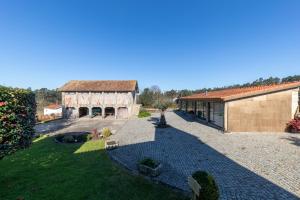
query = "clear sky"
x=173 y=44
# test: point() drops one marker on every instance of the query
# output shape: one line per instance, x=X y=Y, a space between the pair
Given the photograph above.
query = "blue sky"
x=173 y=44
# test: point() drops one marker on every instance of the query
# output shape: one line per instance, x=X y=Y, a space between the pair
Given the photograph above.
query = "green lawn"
x=72 y=171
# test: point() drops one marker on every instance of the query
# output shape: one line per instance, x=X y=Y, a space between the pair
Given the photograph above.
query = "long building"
x=262 y=108
x=99 y=98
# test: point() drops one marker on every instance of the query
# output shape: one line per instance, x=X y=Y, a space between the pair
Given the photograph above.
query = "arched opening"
x=109 y=111
x=123 y=112
x=83 y=111
x=96 y=111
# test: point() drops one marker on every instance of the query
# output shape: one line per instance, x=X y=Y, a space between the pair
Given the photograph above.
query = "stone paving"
x=245 y=165
x=84 y=124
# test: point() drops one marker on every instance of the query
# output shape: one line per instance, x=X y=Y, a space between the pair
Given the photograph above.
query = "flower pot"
x=153 y=172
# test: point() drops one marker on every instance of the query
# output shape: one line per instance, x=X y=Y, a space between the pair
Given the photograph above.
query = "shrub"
x=106 y=132
x=293 y=126
x=17 y=111
x=68 y=139
x=149 y=162
x=144 y=113
x=209 y=189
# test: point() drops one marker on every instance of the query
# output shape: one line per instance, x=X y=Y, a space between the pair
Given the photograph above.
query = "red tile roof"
x=53 y=106
x=100 y=86
x=237 y=93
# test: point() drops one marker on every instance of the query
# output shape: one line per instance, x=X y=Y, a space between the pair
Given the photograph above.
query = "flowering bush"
x=17 y=119
x=294 y=126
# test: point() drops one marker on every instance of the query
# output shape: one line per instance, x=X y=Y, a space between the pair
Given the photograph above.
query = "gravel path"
x=245 y=165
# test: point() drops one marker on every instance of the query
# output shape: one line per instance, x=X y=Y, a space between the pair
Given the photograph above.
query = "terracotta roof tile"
x=100 y=86
x=53 y=106
x=236 y=93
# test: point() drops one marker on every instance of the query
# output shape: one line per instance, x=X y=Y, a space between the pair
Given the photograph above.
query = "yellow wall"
x=269 y=112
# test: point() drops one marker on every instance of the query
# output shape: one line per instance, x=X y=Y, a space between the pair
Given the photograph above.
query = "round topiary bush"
x=209 y=189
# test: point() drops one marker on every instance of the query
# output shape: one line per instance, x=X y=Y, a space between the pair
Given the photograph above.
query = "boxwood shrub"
x=17 y=119
x=209 y=189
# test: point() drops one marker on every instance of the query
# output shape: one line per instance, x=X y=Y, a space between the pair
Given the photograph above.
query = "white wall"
x=48 y=111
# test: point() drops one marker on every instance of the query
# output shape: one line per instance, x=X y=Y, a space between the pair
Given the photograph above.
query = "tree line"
x=154 y=97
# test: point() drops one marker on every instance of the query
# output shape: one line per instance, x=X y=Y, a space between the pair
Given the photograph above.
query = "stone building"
x=99 y=98
x=262 y=108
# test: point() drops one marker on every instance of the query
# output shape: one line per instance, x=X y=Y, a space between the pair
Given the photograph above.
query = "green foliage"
x=68 y=139
x=48 y=171
x=17 y=111
x=72 y=138
x=149 y=162
x=44 y=97
x=144 y=113
x=209 y=189
x=106 y=132
x=161 y=105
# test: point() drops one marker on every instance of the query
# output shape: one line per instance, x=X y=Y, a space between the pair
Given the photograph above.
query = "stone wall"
x=262 y=113
x=99 y=99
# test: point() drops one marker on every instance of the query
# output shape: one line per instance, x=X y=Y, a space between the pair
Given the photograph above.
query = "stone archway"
x=96 y=111
x=110 y=111
x=83 y=111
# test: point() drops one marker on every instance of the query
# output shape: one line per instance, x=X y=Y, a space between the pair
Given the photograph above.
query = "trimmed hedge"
x=17 y=119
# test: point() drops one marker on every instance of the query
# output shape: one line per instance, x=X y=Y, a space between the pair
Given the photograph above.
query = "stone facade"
x=89 y=102
x=118 y=101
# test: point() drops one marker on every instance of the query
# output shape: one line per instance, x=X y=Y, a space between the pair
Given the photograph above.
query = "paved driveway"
x=245 y=165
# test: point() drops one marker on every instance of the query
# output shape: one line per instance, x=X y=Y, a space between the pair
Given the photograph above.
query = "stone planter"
x=195 y=187
x=153 y=172
x=111 y=144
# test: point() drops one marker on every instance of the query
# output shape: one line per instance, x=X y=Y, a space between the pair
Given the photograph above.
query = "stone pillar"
x=90 y=112
x=103 y=112
x=116 y=112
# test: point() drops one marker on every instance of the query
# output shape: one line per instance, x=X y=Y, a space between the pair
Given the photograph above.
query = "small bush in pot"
x=209 y=189
x=149 y=162
x=106 y=132
x=149 y=167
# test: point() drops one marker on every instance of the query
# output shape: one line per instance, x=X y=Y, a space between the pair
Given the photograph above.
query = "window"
x=201 y=110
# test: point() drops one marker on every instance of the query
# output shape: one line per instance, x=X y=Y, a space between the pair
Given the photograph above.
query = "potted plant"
x=203 y=186
x=162 y=121
x=149 y=167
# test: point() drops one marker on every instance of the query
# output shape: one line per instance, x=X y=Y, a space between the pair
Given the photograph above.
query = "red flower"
x=2 y=104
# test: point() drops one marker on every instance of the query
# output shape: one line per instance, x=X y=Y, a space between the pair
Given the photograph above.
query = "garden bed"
x=72 y=137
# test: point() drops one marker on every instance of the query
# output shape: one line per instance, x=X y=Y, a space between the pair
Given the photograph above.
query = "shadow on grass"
x=181 y=154
x=49 y=170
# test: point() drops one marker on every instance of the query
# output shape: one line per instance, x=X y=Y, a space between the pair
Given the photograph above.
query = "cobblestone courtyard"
x=245 y=165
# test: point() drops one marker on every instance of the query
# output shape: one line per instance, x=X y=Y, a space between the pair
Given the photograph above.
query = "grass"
x=144 y=113
x=48 y=170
